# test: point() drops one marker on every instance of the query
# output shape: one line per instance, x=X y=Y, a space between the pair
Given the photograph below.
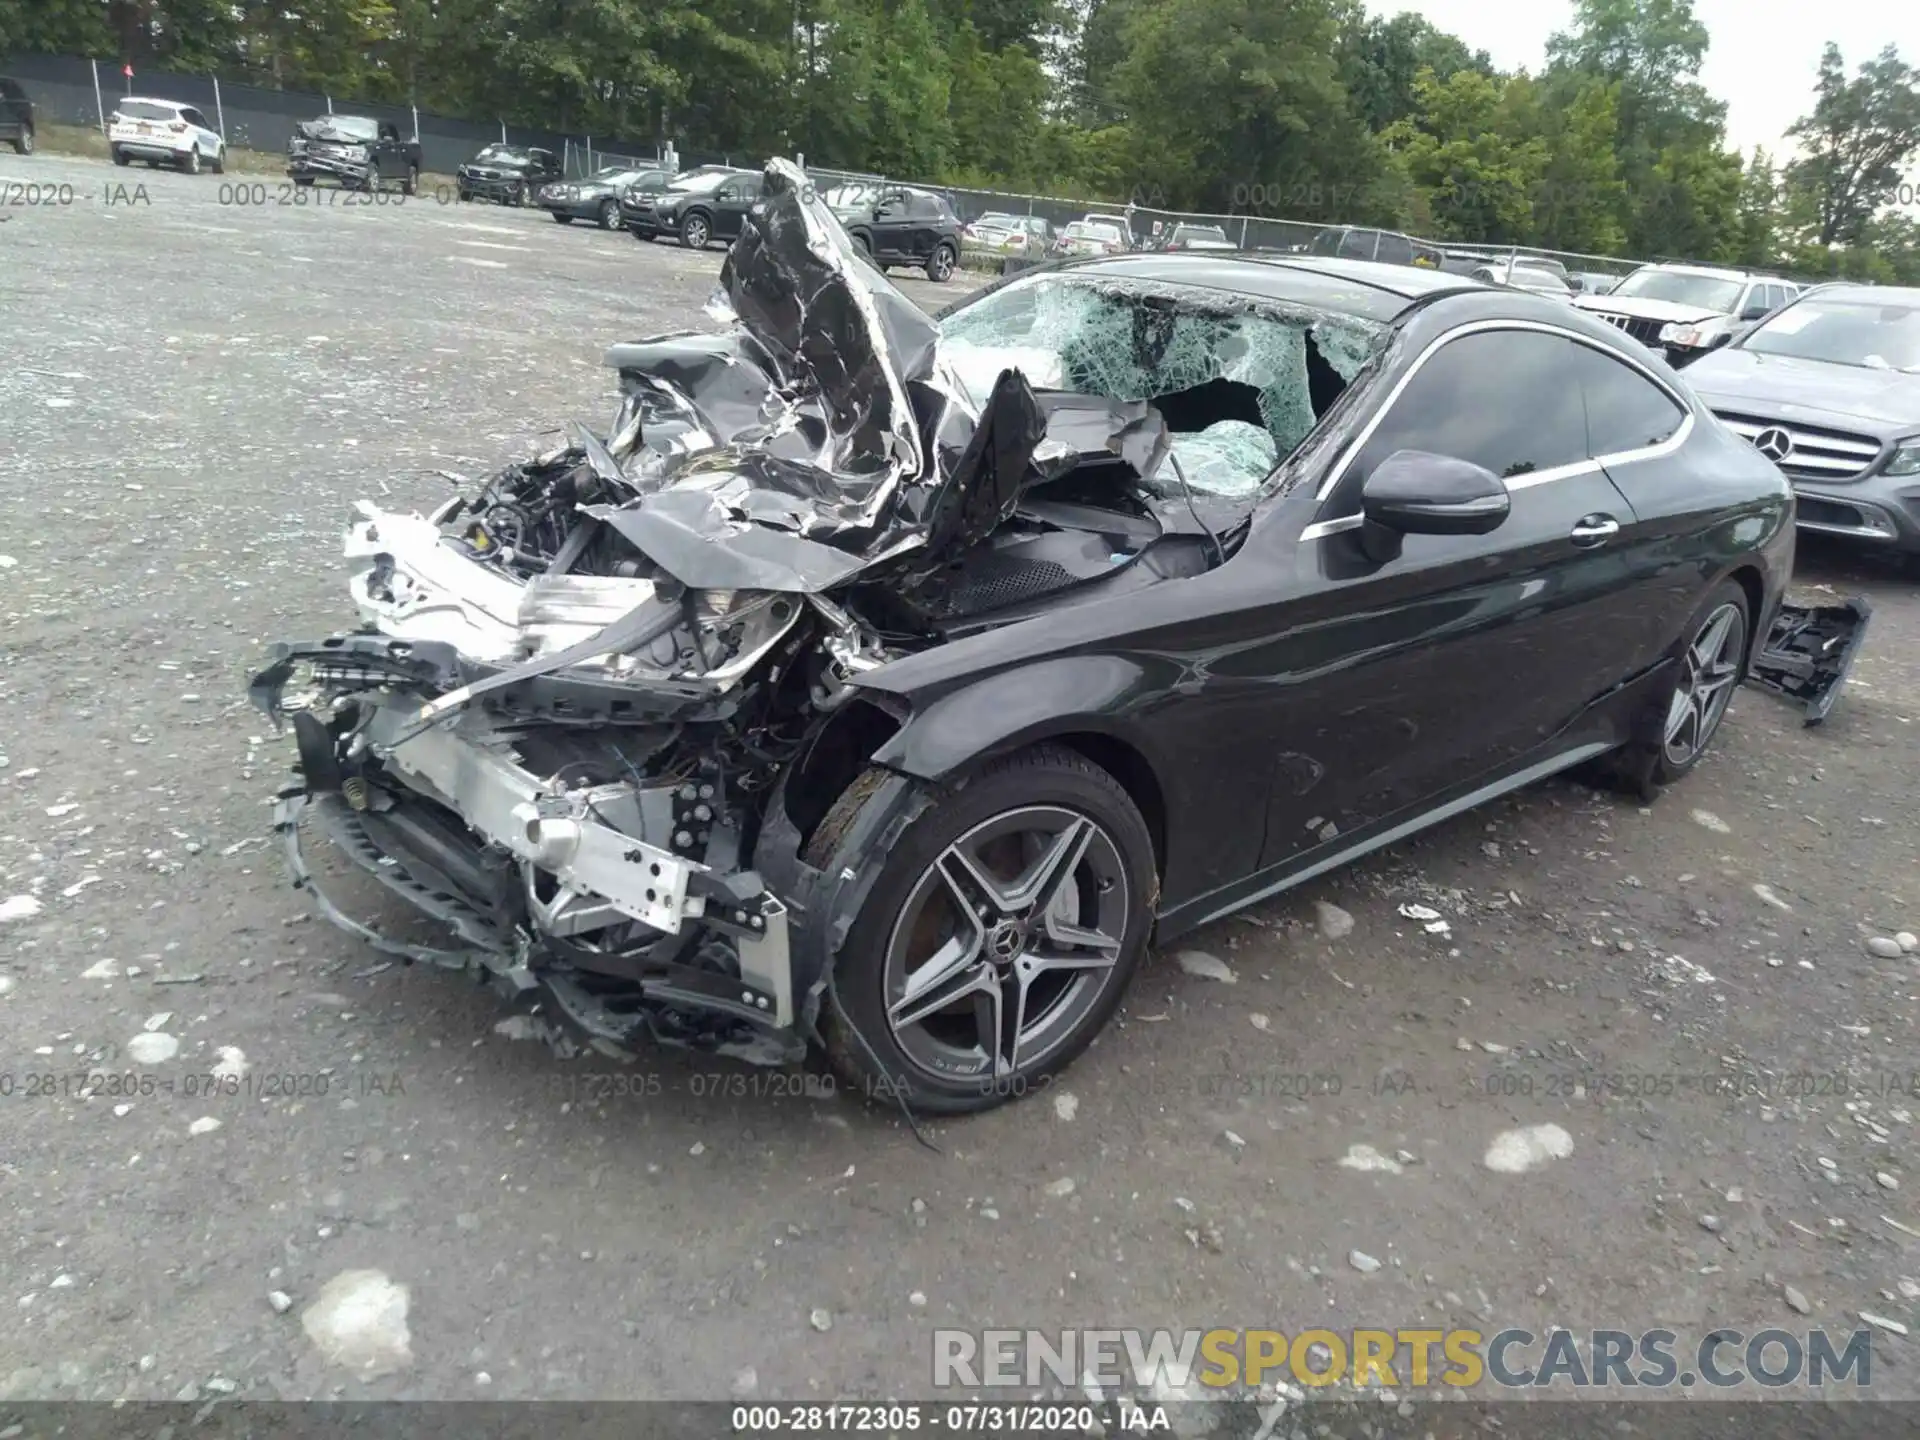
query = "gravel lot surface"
x=196 y=391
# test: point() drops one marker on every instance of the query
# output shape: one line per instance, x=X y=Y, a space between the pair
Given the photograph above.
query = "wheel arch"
x=1759 y=616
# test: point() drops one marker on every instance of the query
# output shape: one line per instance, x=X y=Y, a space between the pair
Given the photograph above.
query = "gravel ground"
x=195 y=392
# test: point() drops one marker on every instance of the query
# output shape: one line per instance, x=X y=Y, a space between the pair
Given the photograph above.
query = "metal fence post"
x=589 y=155
x=329 y=104
x=99 y=105
x=219 y=110
x=503 y=132
x=1243 y=232
x=416 y=123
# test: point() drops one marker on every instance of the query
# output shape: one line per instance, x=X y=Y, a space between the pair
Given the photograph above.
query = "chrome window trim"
x=1519 y=482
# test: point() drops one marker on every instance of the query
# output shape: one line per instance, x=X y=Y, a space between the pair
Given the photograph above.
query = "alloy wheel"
x=694 y=232
x=941 y=270
x=1708 y=672
x=1006 y=943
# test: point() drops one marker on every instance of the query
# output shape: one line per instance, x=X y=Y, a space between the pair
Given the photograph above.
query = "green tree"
x=1580 y=200
x=1759 y=240
x=1860 y=136
x=55 y=27
x=1381 y=58
x=1233 y=98
x=1473 y=178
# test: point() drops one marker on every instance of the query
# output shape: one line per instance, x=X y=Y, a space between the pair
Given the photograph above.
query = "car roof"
x=1361 y=288
x=155 y=100
x=1717 y=272
x=1878 y=294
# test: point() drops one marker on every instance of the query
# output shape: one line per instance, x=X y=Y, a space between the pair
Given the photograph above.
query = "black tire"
x=219 y=166
x=864 y=246
x=696 y=231
x=411 y=185
x=305 y=182
x=464 y=195
x=862 y=1043
x=1658 y=755
x=940 y=268
x=561 y=217
x=609 y=214
x=522 y=197
x=190 y=162
x=120 y=157
x=23 y=143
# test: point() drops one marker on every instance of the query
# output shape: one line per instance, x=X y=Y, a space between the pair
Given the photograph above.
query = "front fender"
x=1015 y=708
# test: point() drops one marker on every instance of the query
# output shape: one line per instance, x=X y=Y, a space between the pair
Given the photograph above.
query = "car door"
x=892 y=228
x=1394 y=249
x=1637 y=425
x=1465 y=657
x=730 y=205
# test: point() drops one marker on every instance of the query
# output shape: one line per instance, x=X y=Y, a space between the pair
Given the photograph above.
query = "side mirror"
x=1415 y=492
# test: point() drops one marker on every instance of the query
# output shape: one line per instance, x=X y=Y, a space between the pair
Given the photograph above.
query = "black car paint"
x=507 y=179
x=387 y=158
x=583 y=199
x=1377 y=697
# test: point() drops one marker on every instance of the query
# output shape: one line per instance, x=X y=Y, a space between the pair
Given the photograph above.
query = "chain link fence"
x=82 y=92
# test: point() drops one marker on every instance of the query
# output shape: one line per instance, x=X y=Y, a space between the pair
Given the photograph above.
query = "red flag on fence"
x=127 y=70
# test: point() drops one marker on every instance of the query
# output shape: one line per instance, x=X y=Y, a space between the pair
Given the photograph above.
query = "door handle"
x=1592 y=530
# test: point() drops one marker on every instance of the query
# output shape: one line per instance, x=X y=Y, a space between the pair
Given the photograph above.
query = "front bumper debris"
x=331 y=167
x=1809 y=651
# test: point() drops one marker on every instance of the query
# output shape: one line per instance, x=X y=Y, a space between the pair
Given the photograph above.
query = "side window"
x=1357 y=244
x=1508 y=400
x=1625 y=410
x=194 y=117
x=1394 y=249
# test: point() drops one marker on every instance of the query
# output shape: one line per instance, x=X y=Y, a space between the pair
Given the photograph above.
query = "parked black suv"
x=354 y=152
x=699 y=207
x=1389 y=247
x=16 y=116
x=904 y=226
x=507 y=174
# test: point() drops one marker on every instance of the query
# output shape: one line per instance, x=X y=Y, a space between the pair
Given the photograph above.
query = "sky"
x=1761 y=60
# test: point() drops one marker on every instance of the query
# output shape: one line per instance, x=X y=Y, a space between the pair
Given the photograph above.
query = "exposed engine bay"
x=564 y=725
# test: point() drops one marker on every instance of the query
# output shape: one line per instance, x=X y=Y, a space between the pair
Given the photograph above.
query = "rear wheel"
x=562 y=217
x=1708 y=663
x=998 y=938
x=940 y=267
x=411 y=185
x=190 y=162
x=120 y=157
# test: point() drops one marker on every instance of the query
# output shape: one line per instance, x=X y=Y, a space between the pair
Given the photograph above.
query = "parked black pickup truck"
x=507 y=174
x=353 y=152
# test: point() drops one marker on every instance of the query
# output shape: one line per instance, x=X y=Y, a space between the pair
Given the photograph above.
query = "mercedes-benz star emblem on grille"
x=1774 y=443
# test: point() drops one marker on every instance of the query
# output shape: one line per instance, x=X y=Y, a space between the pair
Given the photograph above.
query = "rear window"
x=147 y=110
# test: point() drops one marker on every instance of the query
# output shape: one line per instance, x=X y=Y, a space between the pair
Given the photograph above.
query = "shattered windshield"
x=504 y=155
x=1239 y=382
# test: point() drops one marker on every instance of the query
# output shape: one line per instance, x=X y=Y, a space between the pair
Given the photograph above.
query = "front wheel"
x=24 y=143
x=940 y=267
x=220 y=161
x=997 y=940
x=609 y=214
x=695 y=232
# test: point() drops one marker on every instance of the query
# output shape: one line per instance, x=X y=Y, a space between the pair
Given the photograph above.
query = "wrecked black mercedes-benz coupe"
x=890 y=682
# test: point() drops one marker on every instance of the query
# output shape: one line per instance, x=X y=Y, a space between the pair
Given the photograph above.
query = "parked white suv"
x=1687 y=310
x=164 y=132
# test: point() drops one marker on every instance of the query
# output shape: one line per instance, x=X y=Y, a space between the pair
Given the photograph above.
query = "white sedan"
x=165 y=132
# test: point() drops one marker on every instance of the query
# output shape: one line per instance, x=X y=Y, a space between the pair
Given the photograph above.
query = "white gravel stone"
x=359 y=1322
x=1892 y=1327
x=1514 y=1152
x=1066 y=1105
x=280 y=1300
x=1795 y=1300
x=1885 y=1181
x=157 y=1022
x=205 y=1125
x=1060 y=1188
x=1207 y=967
x=1885 y=947
x=1907 y=941
x=1362 y=1261
x=18 y=907
x=1706 y=819
x=231 y=1063
x=101 y=970
x=1365 y=1157
x=821 y=1319
x=1334 y=923
x=152 y=1048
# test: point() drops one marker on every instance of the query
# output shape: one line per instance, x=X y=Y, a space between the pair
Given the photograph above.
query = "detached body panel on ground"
x=888 y=683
